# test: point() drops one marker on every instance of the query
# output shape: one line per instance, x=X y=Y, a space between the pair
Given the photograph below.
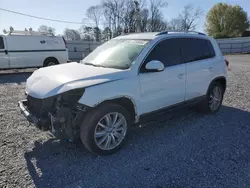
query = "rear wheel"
x=213 y=100
x=105 y=129
x=50 y=62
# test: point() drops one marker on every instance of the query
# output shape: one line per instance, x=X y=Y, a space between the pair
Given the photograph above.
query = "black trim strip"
x=160 y=112
x=214 y=80
x=55 y=50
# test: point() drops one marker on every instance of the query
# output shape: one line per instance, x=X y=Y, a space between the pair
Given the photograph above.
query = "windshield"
x=116 y=53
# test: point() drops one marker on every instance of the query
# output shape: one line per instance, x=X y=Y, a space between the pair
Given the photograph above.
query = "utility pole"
x=137 y=16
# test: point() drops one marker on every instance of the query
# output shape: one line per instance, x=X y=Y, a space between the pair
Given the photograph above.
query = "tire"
x=50 y=62
x=93 y=126
x=206 y=105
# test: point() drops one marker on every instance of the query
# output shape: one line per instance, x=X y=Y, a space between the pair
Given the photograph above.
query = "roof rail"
x=28 y=32
x=167 y=32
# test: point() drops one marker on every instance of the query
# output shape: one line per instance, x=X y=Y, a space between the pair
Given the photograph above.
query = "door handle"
x=180 y=76
x=42 y=41
x=6 y=52
x=211 y=69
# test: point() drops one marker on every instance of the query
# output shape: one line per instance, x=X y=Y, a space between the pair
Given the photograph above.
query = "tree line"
x=112 y=18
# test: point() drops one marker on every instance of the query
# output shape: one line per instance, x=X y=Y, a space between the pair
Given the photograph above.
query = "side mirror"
x=155 y=66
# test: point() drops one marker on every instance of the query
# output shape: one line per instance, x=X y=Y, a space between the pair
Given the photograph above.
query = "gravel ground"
x=183 y=150
x=16 y=71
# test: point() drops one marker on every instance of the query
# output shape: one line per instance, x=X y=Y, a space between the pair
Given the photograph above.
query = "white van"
x=31 y=49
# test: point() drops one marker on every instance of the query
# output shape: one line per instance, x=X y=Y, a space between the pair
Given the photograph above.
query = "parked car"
x=31 y=49
x=125 y=81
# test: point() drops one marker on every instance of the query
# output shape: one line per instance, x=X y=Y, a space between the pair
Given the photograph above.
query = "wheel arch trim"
x=50 y=57
x=215 y=79
x=120 y=97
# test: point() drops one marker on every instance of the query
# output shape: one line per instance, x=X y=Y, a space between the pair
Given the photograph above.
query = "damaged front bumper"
x=60 y=114
x=38 y=122
x=62 y=123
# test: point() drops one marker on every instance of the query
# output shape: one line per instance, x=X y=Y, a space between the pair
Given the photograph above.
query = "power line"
x=41 y=18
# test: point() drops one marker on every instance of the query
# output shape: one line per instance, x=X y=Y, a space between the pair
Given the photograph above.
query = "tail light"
x=65 y=42
x=227 y=64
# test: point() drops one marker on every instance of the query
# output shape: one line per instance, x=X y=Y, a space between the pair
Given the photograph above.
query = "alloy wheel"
x=110 y=131
x=215 y=98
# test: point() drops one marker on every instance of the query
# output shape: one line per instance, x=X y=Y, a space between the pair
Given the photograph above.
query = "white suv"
x=124 y=82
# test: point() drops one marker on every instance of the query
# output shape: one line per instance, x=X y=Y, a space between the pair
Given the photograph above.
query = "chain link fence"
x=78 y=49
x=234 y=45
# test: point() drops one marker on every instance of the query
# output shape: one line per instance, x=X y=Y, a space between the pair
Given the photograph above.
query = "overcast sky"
x=74 y=10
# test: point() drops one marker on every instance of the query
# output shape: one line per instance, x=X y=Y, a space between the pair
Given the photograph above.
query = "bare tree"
x=106 y=34
x=189 y=16
x=129 y=18
x=114 y=11
x=97 y=34
x=109 y=11
x=135 y=15
x=156 y=14
x=71 y=34
x=46 y=29
x=87 y=33
x=95 y=13
x=144 y=14
x=175 y=24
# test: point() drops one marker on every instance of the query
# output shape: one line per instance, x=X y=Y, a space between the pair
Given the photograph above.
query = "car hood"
x=50 y=81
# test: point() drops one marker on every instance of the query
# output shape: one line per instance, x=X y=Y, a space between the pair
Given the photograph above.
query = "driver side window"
x=167 y=51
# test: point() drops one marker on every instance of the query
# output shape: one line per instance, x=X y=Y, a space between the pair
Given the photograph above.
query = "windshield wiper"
x=112 y=67
x=95 y=65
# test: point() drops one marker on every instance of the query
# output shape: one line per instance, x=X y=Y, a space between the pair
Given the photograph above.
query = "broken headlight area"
x=62 y=114
x=69 y=98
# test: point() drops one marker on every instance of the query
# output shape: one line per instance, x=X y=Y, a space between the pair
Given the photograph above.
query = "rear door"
x=4 y=57
x=199 y=56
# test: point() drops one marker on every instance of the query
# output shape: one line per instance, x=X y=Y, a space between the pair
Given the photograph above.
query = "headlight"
x=71 y=97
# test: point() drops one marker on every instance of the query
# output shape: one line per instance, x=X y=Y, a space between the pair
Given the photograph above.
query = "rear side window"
x=1 y=43
x=196 y=49
x=167 y=51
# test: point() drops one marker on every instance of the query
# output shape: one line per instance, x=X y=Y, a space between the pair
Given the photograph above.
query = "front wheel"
x=105 y=129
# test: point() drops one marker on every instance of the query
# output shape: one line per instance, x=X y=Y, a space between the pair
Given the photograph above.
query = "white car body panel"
x=29 y=51
x=201 y=73
x=161 y=89
x=53 y=80
x=128 y=88
x=148 y=92
x=4 y=58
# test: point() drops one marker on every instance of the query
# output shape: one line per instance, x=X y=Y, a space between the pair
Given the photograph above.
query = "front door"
x=4 y=57
x=165 y=88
